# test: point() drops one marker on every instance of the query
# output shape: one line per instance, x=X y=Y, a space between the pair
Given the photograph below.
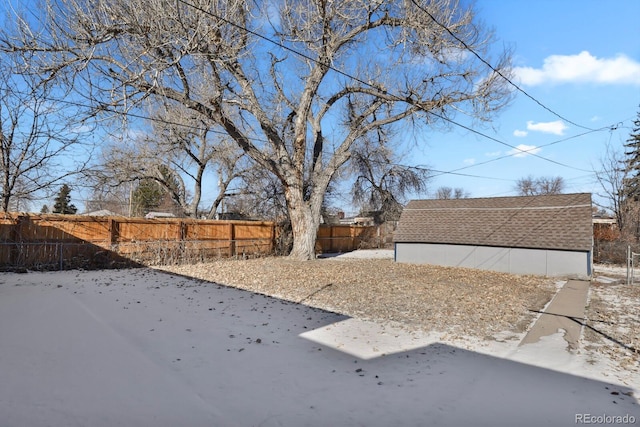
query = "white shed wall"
x=545 y=262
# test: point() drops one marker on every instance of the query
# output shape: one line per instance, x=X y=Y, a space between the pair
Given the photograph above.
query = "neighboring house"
x=605 y=229
x=340 y=219
x=157 y=215
x=549 y=235
x=101 y=212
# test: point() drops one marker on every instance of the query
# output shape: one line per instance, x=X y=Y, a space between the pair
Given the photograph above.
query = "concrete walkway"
x=566 y=312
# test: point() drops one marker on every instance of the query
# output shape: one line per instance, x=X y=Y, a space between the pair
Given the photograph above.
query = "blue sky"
x=580 y=59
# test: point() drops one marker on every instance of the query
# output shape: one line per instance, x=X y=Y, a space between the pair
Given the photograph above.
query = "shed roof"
x=561 y=221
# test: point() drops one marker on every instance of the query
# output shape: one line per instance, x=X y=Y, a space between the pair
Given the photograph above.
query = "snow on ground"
x=610 y=269
x=140 y=347
x=362 y=254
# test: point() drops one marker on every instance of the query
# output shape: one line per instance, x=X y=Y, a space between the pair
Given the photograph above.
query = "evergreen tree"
x=63 y=202
x=147 y=197
x=45 y=209
x=631 y=184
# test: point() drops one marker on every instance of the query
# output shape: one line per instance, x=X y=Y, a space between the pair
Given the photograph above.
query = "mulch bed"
x=459 y=301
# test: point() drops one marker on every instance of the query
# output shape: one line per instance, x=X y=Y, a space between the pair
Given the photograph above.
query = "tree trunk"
x=6 y=190
x=305 y=220
x=304 y=233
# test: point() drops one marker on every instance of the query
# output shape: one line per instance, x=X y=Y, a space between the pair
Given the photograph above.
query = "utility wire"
x=520 y=150
x=484 y=61
x=517 y=151
x=412 y=102
x=398 y=98
x=528 y=151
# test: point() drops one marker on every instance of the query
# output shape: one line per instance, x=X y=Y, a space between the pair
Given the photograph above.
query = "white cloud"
x=523 y=150
x=82 y=129
x=581 y=68
x=493 y=154
x=556 y=128
x=520 y=133
x=469 y=161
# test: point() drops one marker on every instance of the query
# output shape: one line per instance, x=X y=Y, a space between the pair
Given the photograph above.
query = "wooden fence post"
x=16 y=238
x=331 y=237
x=354 y=235
x=232 y=240
x=272 y=238
x=113 y=232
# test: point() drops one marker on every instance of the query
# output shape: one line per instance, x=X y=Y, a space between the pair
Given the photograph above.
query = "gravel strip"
x=457 y=301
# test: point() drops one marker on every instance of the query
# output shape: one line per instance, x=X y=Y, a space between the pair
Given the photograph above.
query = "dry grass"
x=464 y=302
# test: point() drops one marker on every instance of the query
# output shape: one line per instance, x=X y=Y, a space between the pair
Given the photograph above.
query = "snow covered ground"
x=144 y=348
x=365 y=254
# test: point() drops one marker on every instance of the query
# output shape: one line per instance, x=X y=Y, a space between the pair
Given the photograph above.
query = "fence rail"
x=74 y=241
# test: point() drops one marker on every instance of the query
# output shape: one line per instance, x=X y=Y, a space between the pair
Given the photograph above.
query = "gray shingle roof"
x=561 y=221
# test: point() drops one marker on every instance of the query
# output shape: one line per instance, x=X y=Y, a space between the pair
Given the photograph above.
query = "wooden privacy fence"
x=73 y=241
x=346 y=238
x=58 y=241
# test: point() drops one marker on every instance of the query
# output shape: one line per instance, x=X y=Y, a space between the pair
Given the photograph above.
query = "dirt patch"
x=457 y=301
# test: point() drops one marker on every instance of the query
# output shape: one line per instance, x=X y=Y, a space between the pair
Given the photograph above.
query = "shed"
x=550 y=235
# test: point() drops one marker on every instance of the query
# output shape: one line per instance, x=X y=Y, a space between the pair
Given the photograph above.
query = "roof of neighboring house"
x=152 y=215
x=101 y=212
x=561 y=221
x=604 y=220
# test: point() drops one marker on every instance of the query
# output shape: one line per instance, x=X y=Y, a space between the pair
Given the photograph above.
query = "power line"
x=397 y=97
x=528 y=152
x=444 y=118
x=517 y=151
x=435 y=172
x=524 y=151
x=517 y=87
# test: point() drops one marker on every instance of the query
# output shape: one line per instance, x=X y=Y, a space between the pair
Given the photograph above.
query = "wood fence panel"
x=201 y=250
x=93 y=230
x=7 y=227
x=209 y=230
x=37 y=229
x=250 y=231
x=339 y=238
x=149 y=230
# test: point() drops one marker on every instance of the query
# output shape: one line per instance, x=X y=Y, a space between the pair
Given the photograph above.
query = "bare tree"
x=176 y=154
x=617 y=175
x=231 y=166
x=36 y=138
x=530 y=186
x=258 y=194
x=526 y=186
x=115 y=199
x=294 y=84
x=446 y=193
x=381 y=183
x=611 y=175
x=192 y=146
x=550 y=185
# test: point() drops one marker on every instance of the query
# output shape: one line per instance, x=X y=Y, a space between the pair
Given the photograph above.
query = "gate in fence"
x=631 y=256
